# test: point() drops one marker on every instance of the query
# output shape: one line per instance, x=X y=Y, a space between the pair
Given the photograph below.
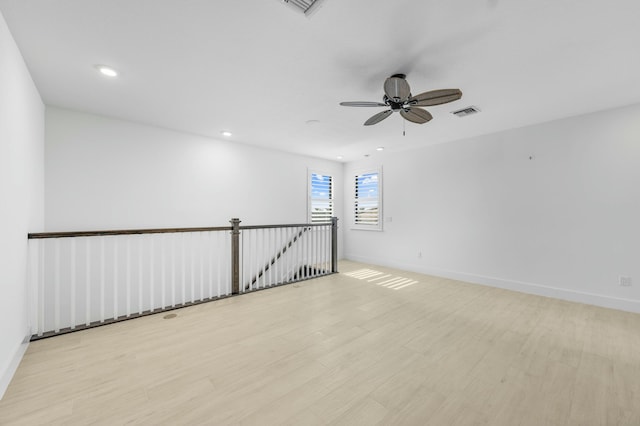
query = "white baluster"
x=152 y=284
x=312 y=241
x=328 y=249
x=210 y=261
x=102 y=279
x=319 y=255
x=315 y=250
x=310 y=252
x=115 y=278
x=41 y=290
x=189 y=239
x=293 y=252
x=285 y=236
x=321 y=251
x=56 y=286
x=324 y=250
x=140 y=274
x=265 y=256
x=163 y=268
x=240 y=262
x=305 y=253
x=228 y=261
x=87 y=284
x=72 y=295
x=173 y=270
x=258 y=259
x=247 y=283
x=270 y=251
x=219 y=242
x=201 y=263
x=128 y=277
x=278 y=233
x=183 y=268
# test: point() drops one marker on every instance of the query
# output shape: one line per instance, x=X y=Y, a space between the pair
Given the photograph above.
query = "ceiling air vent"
x=466 y=111
x=305 y=6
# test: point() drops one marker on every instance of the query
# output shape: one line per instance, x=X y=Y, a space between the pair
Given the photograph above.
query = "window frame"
x=354 y=200
x=310 y=198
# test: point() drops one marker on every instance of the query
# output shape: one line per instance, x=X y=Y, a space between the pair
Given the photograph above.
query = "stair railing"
x=91 y=278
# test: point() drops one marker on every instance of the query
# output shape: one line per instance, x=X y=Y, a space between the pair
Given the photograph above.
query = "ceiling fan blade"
x=416 y=115
x=378 y=117
x=362 y=104
x=397 y=89
x=436 y=97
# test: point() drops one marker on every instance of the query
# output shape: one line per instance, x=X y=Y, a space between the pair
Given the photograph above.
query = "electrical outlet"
x=419 y=255
x=625 y=281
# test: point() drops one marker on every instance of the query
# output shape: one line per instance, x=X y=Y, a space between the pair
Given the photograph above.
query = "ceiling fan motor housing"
x=395 y=106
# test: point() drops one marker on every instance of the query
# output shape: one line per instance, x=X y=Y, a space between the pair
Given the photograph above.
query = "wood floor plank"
x=343 y=350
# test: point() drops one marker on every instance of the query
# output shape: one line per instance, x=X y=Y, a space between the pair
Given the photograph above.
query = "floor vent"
x=466 y=111
x=305 y=6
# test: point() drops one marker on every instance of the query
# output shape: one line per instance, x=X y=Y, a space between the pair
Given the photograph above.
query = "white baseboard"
x=629 y=305
x=7 y=375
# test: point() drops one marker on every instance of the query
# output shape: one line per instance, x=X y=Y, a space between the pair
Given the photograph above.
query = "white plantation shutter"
x=367 y=200
x=320 y=197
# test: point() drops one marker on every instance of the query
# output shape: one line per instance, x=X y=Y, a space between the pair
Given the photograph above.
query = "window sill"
x=366 y=228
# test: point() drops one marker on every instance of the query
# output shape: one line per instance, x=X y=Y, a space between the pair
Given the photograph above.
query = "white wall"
x=564 y=223
x=21 y=196
x=104 y=173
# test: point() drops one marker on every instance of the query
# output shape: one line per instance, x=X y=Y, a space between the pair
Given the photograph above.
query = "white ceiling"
x=261 y=70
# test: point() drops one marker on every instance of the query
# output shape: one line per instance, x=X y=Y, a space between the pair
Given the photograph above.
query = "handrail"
x=70 y=234
x=299 y=225
x=43 y=235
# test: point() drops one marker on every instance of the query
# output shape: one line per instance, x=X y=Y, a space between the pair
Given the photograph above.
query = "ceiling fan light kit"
x=397 y=96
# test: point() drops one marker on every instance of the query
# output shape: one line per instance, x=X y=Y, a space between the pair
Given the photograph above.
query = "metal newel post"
x=334 y=244
x=235 y=255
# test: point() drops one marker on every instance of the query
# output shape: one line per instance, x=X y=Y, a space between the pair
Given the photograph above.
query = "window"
x=320 y=197
x=367 y=212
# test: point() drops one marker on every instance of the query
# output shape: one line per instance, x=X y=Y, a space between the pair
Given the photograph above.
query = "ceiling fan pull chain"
x=404 y=127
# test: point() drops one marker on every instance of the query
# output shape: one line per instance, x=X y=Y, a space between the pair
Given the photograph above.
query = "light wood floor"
x=343 y=350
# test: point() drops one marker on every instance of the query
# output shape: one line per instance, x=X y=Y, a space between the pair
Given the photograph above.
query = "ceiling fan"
x=397 y=96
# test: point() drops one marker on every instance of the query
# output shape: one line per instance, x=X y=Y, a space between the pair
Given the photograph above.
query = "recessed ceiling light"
x=312 y=122
x=339 y=157
x=108 y=71
x=380 y=148
x=226 y=133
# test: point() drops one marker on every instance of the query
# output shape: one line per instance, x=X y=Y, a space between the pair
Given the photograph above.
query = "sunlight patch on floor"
x=381 y=279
